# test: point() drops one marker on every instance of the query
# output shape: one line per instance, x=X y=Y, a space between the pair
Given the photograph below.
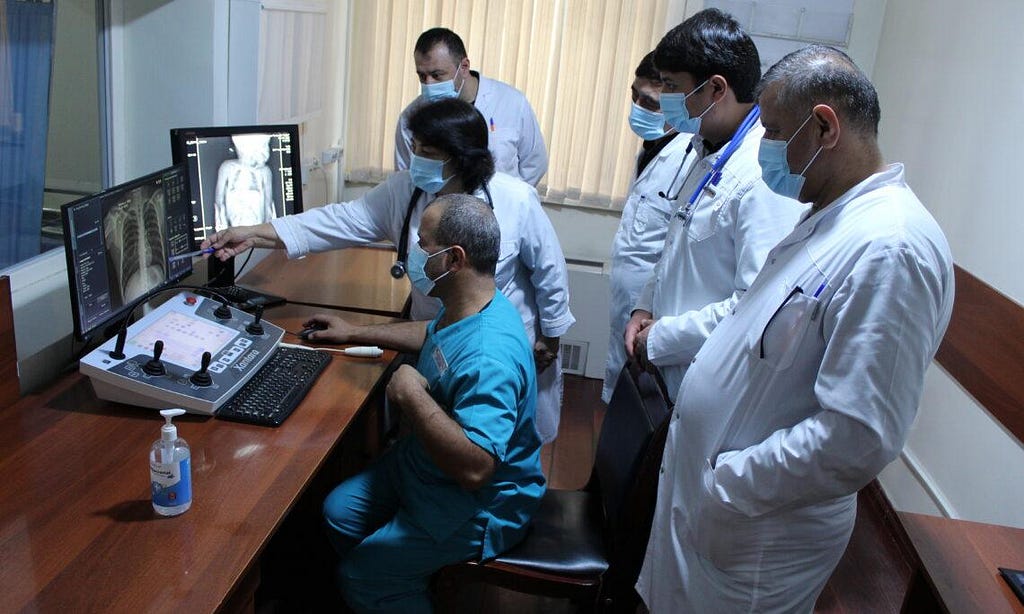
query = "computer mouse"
x=315 y=326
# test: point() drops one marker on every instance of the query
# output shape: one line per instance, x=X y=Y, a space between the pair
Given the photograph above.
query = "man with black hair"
x=442 y=66
x=664 y=154
x=725 y=219
x=804 y=394
x=465 y=482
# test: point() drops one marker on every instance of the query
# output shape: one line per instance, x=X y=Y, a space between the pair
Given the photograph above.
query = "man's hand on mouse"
x=323 y=328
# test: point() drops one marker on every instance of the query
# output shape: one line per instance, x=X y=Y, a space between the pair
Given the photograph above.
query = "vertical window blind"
x=291 y=60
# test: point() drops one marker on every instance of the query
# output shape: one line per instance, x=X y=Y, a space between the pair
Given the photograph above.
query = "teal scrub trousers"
x=387 y=559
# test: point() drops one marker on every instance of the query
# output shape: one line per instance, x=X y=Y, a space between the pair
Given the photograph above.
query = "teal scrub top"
x=480 y=370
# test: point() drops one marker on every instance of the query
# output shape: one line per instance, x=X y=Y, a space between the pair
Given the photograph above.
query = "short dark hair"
x=456 y=127
x=712 y=43
x=818 y=74
x=469 y=222
x=646 y=69
x=441 y=36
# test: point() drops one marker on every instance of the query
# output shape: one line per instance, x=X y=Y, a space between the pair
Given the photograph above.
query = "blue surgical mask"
x=415 y=265
x=775 y=166
x=648 y=125
x=676 y=114
x=442 y=89
x=427 y=174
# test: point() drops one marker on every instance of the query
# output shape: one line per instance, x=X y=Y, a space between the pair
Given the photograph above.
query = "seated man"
x=464 y=484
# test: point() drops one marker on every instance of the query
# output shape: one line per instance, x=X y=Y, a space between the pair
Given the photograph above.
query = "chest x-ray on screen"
x=135 y=233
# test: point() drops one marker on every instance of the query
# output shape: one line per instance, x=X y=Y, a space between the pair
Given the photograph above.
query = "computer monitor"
x=240 y=175
x=120 y=244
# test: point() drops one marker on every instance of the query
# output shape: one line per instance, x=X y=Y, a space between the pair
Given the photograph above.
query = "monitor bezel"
x=223 y=273
x=85 y=334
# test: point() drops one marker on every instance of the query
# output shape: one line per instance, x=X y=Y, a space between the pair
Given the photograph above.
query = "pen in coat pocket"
x=817 y=293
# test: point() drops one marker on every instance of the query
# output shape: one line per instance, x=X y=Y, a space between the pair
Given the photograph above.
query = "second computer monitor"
x=239 y=176
x=123 y=243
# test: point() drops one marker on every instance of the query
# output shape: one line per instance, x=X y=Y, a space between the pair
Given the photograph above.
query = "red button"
x=190 y=300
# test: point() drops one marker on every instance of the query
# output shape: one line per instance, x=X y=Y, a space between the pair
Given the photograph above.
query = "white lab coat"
x=764 y=457
x=712 y=253
x=531 y=269
x=638 y=242
x=513 y=133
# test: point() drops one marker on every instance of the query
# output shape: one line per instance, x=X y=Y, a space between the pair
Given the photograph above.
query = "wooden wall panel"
x=983 y=349
x=9 y=387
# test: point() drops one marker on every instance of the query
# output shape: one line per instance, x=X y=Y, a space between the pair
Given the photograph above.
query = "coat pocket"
x=777 y=341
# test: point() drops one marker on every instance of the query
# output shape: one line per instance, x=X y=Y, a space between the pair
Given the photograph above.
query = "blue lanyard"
x=714 y=175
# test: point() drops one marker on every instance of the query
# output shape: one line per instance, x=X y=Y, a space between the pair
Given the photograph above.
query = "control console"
x=191 y=352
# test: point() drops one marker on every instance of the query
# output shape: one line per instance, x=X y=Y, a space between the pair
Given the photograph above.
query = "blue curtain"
x=29 y=39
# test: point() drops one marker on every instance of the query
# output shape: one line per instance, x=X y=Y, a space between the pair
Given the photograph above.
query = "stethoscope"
x=398 y=268
x=714 y=175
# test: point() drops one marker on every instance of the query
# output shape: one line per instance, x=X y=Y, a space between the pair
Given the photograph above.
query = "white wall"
x=73 y=149
x=168 y=68
x=951 y=83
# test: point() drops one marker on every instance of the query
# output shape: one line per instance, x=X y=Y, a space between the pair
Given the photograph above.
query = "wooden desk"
x=77 y=529
x=359 y=280
x=959 y=561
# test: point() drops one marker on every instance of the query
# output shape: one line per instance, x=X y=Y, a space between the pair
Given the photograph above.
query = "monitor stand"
x=220 y=276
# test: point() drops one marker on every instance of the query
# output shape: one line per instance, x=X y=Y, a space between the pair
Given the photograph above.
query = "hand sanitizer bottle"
x=170 y=469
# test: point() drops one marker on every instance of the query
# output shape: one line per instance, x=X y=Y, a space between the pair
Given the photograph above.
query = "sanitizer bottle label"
x=172 y=483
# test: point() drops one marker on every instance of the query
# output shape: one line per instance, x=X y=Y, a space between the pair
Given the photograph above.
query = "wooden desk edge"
x=959 y=570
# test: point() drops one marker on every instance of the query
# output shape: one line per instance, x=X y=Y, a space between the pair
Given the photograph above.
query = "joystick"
x=254 y=327
x=222 y=312
x=154 y=366
x=118 y=352
x=202 y=377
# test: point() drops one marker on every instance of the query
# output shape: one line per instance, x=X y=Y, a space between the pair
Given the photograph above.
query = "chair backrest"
x=637 y=407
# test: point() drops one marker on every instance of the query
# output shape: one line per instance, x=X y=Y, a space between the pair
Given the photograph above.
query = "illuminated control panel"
x=164 y=350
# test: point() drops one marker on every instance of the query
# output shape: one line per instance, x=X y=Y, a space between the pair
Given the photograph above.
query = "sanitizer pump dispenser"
x=170 y=469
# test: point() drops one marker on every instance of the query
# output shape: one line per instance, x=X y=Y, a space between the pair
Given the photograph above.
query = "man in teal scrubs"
x=464 y=484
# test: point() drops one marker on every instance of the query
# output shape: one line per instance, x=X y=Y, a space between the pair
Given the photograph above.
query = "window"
x=50 y=150
x=573 y=59
x=26 y=52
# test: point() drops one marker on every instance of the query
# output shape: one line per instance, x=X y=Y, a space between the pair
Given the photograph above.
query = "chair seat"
x=565 y=536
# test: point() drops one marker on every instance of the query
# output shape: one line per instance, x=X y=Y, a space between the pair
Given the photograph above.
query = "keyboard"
x=247 y=299
x=273 y=392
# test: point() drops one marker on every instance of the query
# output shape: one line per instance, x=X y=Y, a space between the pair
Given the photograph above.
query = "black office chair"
x=587 y=545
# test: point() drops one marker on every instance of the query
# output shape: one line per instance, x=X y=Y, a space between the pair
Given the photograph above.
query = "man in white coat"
x=725 y=219
x=664 y=157
x=800 y=398
x=513 y=132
